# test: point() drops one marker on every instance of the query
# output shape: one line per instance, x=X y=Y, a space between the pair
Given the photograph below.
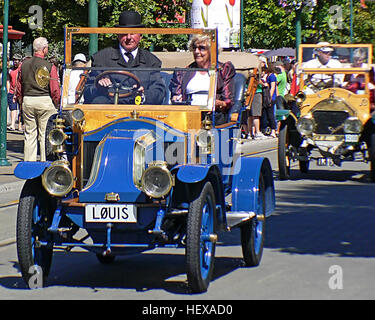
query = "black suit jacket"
x=151 y=81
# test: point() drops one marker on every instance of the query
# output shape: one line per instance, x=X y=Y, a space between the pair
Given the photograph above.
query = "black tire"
x=283 y=154
x=252 y=232
x=200 y=251
x=107 y=259
x=304 y=166
x=34 y=216
x=372 y=158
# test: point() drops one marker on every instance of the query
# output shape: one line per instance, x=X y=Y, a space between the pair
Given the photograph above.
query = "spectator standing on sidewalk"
x=281 y=78
x=269 y=109
x=38 y=102
x=11 y=86
x=255 y=113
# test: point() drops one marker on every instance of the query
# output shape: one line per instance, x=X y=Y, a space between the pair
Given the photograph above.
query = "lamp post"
x=4 y=101
x=298 y=30
x=351 y=21
x=93 y=22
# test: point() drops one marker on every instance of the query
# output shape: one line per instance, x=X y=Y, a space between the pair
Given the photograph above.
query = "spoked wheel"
x=201 y=239
x=283 y=154
x=34 y=217
x=252 y=232
x=372 y=158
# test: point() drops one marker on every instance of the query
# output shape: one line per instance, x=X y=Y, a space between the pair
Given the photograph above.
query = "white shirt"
x=123 y=51
x=318 y=78
x=73 y=82
x=200 y=82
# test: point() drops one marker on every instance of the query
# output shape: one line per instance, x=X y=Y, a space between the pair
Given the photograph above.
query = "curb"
x=11 y=186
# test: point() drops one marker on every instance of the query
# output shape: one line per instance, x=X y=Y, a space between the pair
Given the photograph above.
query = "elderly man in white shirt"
x=316 y=82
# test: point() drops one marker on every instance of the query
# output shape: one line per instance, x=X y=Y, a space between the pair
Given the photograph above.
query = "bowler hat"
x=130 y=19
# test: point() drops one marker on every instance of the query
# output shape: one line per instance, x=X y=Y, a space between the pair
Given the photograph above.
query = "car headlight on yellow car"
x=58 y=178
x=352 y=125
x=157 y=180
x=306 y=125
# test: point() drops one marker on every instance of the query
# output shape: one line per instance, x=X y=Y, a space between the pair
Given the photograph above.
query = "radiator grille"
x=328 y=121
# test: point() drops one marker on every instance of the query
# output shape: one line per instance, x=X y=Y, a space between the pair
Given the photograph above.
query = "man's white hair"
x=40 y=43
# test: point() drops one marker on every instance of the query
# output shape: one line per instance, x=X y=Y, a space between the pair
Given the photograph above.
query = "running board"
x=235 y=218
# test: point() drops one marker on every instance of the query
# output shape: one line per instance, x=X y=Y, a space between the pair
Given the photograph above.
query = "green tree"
x=57 y=14
x=266 y=23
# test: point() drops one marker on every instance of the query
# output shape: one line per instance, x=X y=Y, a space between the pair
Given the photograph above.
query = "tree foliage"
x=266 y=23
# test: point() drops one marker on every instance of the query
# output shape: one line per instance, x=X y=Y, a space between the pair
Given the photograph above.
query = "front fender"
x=192 y=173
x=30 y=169
x=245 y=185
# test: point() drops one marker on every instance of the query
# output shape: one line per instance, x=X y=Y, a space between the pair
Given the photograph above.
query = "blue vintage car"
x=125 y=177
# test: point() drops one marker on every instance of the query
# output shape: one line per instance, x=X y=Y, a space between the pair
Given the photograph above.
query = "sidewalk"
x=14 y=155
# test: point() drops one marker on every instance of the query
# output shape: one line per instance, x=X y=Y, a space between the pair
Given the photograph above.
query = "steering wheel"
x=321 y=83
x=119 y=85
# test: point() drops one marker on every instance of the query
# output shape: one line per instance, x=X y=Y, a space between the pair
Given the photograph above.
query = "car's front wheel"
x=34 y=244
x=201 y=239
x=372 y=158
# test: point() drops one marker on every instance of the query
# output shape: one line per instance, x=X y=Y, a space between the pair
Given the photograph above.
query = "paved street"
x=319 y=245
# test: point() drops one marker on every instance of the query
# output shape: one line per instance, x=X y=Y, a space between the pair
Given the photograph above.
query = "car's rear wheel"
x=252 y=233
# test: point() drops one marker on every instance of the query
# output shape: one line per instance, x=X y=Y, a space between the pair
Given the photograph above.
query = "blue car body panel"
x=245 y=185
x=30 y=169
x=191 y=173
x=115 y=170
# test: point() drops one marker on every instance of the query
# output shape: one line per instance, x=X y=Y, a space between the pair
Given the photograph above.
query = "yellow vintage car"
x=330 y=119
x=134 y=171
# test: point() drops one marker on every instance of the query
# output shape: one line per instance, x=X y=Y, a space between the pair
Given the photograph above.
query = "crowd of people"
x=275 y=81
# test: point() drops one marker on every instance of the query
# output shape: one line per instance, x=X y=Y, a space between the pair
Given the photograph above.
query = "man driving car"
x=127 y=54
x=323 y=59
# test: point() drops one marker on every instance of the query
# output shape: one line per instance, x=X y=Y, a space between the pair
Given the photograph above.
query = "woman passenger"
x=196 y=83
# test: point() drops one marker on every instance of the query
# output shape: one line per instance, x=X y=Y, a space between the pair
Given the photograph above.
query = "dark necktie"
x=130 y=57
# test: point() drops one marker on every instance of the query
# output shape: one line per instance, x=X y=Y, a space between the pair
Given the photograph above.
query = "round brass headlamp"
x=57 y=137
x=306 y=125
x=156 y=180
x=58 y=178
x=352 y=125
x=78 y=115
x=204 y=138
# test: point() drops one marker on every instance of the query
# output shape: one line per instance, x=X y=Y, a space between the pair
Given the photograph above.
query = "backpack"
x=266 y=97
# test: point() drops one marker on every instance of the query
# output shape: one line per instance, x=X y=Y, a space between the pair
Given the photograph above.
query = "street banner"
x=225 y=15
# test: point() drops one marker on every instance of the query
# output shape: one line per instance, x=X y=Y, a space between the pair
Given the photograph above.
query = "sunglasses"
x=200 y=48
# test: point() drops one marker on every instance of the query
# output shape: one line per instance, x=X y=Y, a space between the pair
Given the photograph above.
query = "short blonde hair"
x=40 y=43
x=198 y=38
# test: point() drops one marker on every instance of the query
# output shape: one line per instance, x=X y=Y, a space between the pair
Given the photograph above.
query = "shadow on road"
x=141 y=272
x=328 y=219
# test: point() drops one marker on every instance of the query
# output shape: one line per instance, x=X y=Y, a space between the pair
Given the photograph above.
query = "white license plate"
x=351 y=137
x=111 y=213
